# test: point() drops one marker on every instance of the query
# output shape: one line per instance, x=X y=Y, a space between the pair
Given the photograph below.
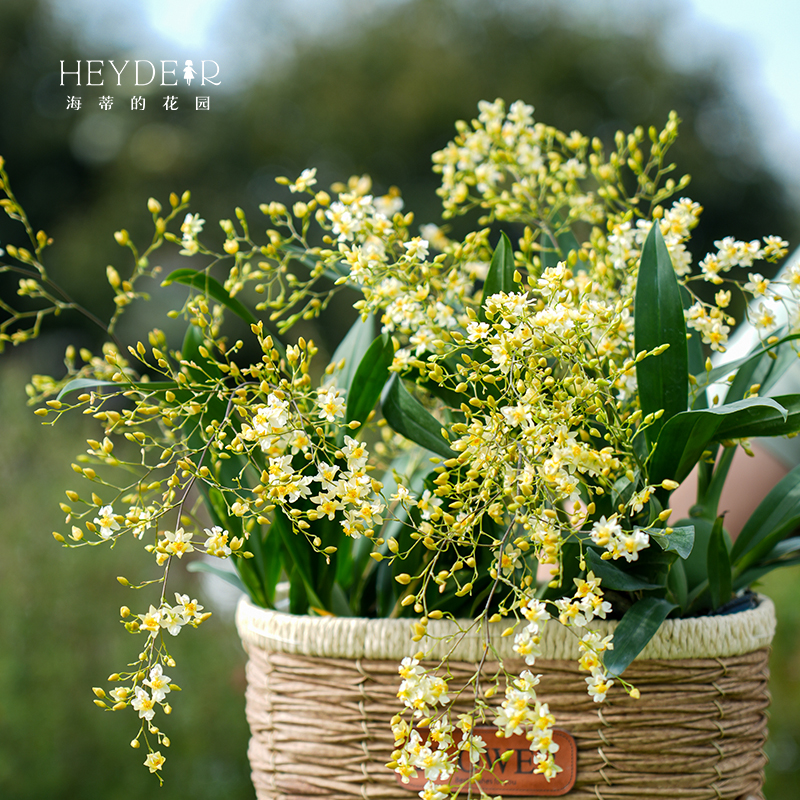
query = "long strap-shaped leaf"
x=114 y=387
x=352 y=349
x=719 y=566
x=773 y=519
x=500 y=277
x=720 y=372
x=369 y=379
x=686 y=435
x=299 y=552
x=411 y=419
x=613 y=577
x=212 y=287
x=635 y=630
x=663 y=380
x=771 y=423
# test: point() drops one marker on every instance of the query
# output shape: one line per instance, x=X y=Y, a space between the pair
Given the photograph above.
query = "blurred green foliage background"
x=376 y=93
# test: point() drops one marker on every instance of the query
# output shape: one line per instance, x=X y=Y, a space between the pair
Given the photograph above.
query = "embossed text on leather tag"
x=516 y=776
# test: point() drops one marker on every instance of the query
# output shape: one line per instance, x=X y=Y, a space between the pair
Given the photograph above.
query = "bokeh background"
x=349 y=86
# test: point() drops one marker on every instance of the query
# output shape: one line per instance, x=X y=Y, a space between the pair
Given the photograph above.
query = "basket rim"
x=390 y=639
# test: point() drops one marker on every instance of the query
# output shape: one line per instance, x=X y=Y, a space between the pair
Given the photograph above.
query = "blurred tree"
x=381 y=100
x=376 y=96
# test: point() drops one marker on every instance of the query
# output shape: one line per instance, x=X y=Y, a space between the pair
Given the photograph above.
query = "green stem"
x=711 y=492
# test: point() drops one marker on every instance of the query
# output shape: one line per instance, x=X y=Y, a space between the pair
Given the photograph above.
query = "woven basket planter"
x=321 y=692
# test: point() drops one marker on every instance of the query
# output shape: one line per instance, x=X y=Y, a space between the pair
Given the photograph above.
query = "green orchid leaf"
x=114 y=387
x=299 y=602
x=352 y=349
x=339 y=604
x=779 y=422
x=622 y=491
x=784 y=548
x=694 y=351
x=411 y=419
x=685 y=436
x=710 y=492
x=259 y=574
x=681 y=540
x=450 y=366
x=216 y=507
x=268 y=557
x=773 y=369
x=351 y=564
x=663 y=380
x=369 y=379
x=635 y=630
x=387 y=590
x=613 y=577
x=299 y=552
x=775 y=514
x=500 y=277
x=784 y=554
x=719 y=566
x=323 y=567
x=201 y=367
x=755 y=370
x=719 y=373
x=760 y=551
x=90 y=384
x=678 y=585
x=653 y=565
x=750 y=576
x=204 y=283
x=253 y=577
x=695 y=564
x=764 y=366
x=231 y=578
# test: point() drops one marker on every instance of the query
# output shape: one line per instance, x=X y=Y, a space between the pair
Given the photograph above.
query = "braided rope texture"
x=320 y=720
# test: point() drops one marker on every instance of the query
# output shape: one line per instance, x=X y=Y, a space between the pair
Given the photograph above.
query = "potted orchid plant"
x=495 y=441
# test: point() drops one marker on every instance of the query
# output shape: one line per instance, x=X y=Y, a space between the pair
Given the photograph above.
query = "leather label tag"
x=515 y=777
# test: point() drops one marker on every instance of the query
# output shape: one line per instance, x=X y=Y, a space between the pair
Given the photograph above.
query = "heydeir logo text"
x=95 y=72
